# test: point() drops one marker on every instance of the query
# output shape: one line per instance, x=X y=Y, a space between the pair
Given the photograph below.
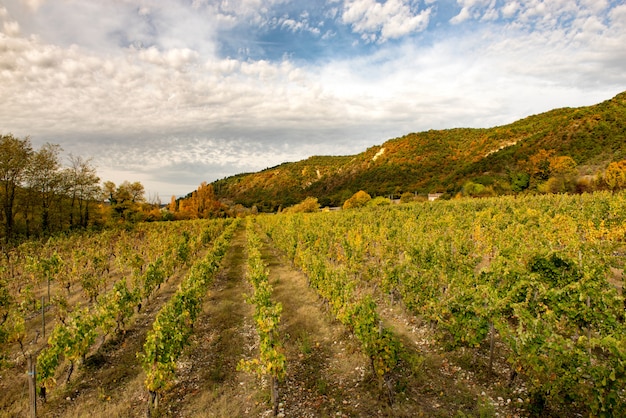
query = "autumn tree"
x=205 y=196
x=37 y=193
x=562 y=172
x=538 y=165
x=201 y=203
x=359 y=199
x=615 y=175
x=173 y=206
x=308 y=205
x=135 y=190
x=125 y=198
x=15 y=155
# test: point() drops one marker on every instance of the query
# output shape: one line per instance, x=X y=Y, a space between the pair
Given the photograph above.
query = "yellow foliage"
x=615 y=175
x=359 y=199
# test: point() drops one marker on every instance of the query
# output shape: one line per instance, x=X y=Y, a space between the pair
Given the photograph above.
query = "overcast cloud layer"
x=173 y=93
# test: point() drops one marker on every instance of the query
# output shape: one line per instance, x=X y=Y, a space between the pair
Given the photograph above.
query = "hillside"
x=441 y=160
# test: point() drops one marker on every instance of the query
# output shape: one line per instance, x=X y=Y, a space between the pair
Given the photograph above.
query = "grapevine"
x=271 y=361
x=173 y=325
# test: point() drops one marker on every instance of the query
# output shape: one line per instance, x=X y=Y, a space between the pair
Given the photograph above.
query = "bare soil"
x=327 y=374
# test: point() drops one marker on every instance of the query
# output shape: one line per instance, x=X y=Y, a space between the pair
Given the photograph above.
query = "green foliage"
x=74 y=336
x=530 y=271
x=173 y=325
x=71 y=341
x=472 y=189
x=554 y=270
x=271 y=360
x=407 y=197
x=519 y=181
x=445 y=160
x=332 y=254
x=154 y=277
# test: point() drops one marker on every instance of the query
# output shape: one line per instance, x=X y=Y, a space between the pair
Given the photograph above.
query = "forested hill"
x=504 y=159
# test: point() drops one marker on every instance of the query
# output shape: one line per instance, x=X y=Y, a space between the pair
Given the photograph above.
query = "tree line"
x=40 y=195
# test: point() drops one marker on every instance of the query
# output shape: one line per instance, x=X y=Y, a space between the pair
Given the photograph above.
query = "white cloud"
x=463 y=15
x=302 y=25
x=11 y=28
x=171 y=102
x=618 y=16
x=491 y=14
x=393 y=18
x=174 y=58
x=596 y=6
x=33 y=5
x=510 y=8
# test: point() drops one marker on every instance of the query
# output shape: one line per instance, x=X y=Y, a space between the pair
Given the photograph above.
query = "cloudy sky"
x=175 y=92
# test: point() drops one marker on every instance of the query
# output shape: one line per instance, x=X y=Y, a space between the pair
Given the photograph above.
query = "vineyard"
x=507 y=306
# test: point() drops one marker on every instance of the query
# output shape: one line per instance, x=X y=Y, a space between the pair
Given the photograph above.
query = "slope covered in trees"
x=570 y=145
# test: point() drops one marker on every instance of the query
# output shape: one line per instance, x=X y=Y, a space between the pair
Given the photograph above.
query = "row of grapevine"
x=271 y=360
x=73 y=337
x=83 y=266
x=350 y=302
x=173 y=325
x=532 y=272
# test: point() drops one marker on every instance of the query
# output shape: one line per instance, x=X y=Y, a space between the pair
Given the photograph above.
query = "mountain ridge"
x=440 y=160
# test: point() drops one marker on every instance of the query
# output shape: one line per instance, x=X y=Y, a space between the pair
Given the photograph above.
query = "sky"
x=172 y=93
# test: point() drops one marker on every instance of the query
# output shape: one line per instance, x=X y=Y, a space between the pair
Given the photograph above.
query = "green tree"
x=43 y=177
x=519 y=181
x=477 y=190
x=125 y=199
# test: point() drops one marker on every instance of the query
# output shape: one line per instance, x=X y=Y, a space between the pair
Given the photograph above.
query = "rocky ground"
x=327 y=375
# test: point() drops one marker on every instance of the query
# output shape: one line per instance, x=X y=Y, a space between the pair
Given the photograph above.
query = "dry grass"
x=327 y=374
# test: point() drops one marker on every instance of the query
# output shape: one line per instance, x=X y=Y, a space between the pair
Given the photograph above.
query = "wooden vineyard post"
x=32 y=385
x=589 y=328
x=274 y=383
x=43 y=318
x=492 y=344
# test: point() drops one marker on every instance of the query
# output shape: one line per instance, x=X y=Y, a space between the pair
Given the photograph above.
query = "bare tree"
x=82 y=187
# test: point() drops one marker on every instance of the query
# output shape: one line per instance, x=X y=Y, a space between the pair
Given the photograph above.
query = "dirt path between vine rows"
x=208 y=382
x=327 y=373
